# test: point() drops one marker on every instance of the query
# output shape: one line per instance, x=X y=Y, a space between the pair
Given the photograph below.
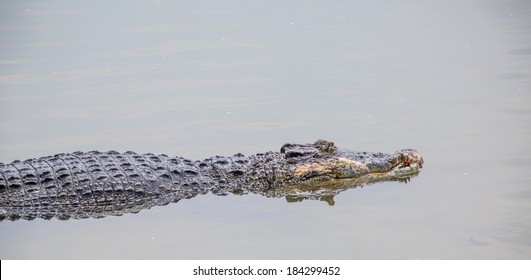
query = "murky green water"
x=451 y=79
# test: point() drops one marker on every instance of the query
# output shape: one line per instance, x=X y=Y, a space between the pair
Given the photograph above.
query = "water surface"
x=451 y=79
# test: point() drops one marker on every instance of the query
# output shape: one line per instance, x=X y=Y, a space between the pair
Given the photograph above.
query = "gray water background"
x=202 y=78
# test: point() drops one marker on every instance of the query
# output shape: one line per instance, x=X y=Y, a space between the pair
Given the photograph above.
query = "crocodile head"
x=322 y=164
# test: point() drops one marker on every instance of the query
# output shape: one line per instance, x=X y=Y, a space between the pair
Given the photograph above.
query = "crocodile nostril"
x=406 y=161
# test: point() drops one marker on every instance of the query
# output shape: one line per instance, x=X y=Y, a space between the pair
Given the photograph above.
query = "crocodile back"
x=94 y=179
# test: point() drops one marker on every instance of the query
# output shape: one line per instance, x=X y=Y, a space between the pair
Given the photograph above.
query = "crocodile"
x=98 y=184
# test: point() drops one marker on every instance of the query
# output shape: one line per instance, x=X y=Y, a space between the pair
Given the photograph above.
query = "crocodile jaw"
x=401 y=164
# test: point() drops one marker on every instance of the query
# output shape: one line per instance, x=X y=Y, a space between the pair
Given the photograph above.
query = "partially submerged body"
x=94 y=184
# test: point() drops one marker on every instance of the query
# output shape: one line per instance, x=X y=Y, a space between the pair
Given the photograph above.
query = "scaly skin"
x=95 y=184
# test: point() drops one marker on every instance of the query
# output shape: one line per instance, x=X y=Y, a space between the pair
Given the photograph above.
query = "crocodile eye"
x=293 y=154
x=237 y=172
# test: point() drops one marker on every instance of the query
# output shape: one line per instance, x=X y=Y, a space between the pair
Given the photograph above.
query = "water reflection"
x=136 y=204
